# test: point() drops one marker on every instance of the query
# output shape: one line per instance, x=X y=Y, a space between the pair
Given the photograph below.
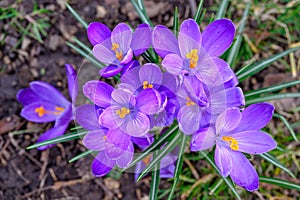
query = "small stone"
x=6 y=60
x=34 y=62
x=54 y=42
x=101 y=12
x=34 y=72
x=62 y=4
x=25 y=43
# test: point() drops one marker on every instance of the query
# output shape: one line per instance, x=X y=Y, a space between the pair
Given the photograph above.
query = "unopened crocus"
x=116 y=48
x=235 y=133
x=194 y=54
x=43 y=103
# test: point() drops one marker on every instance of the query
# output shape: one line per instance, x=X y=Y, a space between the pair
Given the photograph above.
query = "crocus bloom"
x=117 y=48
x=43 y=103
x=194 y=54
x=235 y=132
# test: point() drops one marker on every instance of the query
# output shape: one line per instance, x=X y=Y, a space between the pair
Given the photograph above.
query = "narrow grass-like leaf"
x=222 y=9
x=84 y=154
x=272 y=97
x=227 y=181
x=161 y=154
x=271 y=89
x=179 y=162
x=82 y=45
x=287 y=124
x=197 y=16
x=63 y=138
x=169 y=135
x=250 y=70
x=279 y=182
x=154 y=185
x=141 y=13
x=271 y=159
x=236 y=47
x=77 y=16
x=175 y=21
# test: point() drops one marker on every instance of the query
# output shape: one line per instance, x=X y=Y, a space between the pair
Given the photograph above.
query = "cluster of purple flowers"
x=193 y=86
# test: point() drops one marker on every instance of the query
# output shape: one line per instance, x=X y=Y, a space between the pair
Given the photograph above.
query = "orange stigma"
x=41 y=111
x=189 y=102
x=193 y=56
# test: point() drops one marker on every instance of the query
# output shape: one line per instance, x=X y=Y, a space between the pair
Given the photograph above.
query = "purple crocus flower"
x=43 y=103
x=194 y=54
x=117 y=48
x=233 y=133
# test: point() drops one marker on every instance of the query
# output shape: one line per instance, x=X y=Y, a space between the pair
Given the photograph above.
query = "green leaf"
x=271 y=89
x=236 y=47
x=169 y=135
x=154 y=186
x=227 y=181
x=179 y=162
x=287 y=124
x=63 y=138
x=162 y=153
x=82 y=45
x=77 y=16
x=250 y=70
x=175 y=21
x=197 y=16
x=222 y=9
x=272 y=97
x=270 y=158
x=279 y=182
x=141 y=13
x=84 y=154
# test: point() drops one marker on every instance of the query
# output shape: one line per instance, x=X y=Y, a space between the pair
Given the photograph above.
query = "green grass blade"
x=82 y=45
x=197 y=16
x=84 y=154
x=63 y=138
x=175 y=21
x=169 y=135
x=141 y=13
x=271 y=89
x=272 y=97
x=287 y=124
x=161 y=154
x=77 y=16
x=222 y=9
x=154 y=186
x=271 y=159
x=227 y=181
x=279 y=182
x=179 y=162
x=250 y=70
x=236 y=47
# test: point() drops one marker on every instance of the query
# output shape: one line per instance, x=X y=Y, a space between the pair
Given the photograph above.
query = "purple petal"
x=116 y=143
x=143 y=142
x=149 y=101
x=27 y=96
x=255 y=117
x=140 y=40
x=110 y=71
x=132 y=78
x=228 y=76
x=203 y=140
x=86 y=116
x=218 y=36
x=94 y=140
x=65 y=117
x=50 y=134
x=72 y=82
x=173 y=64
x=243 y=173
x=168 y=171
x=110 y=119
x=123 y=98
x=150 y=73
x=131 y=65
x=137 y=124
x=102 y=165
x=189 y=118
x=40 y=112
x=98 y=92
x=254 y=142
x=189 y=37
x=170 y=82
x=228 y=120
x=104 y=54
x=122 y=36
x=223 y=160
x=128 y=57
x=164 y=41
x=97 y=33
x=48 y=93
x=126 y=157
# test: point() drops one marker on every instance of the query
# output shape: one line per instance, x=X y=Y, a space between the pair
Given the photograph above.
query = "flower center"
x=147 y=85
x=193 y=56
x=41 y=111
x=189 y=102
x=234 y=145
x=123 y=112
x=115 y=47
x=104 y=137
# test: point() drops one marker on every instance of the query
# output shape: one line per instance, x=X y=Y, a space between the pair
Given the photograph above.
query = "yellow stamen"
x=41 y=111
x=193 y=56
x=234 y=145
x=189 y=102
x=104 y=137
x=115 y=48
x=147 y=85
x=123 y=112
